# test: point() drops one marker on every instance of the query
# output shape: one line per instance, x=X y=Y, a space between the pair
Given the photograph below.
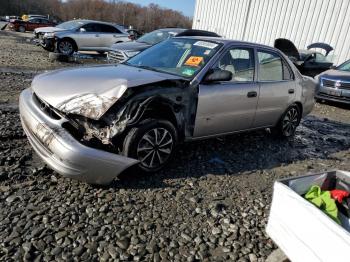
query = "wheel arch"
x=300 y=106
x=161 y=108
x=70 y=39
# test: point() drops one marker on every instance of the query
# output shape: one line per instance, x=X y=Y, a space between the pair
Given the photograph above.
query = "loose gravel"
x=211 y=203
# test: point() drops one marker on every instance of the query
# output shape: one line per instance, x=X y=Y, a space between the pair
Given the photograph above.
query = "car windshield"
x=154 y=37
x=345 y=66
x=70 y=25
x=178 y=56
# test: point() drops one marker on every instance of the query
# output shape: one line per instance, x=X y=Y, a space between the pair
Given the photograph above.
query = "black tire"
x=50 y=48
x=21 y=29
x=66 y=47
x=137 y=144
x=289 y=122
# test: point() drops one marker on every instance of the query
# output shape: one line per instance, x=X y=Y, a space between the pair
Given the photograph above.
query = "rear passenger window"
x=240 y=62
x=272 y=67
x=92 y=28
x=109 y=29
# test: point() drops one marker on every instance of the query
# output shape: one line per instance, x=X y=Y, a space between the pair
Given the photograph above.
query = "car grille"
x=335 y=84
x=116 y=56
x=46 y=108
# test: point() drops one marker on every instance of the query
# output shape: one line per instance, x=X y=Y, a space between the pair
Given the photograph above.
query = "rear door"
x=276 y=85
x=33 y=23
x=44 y=22
x=229 y=106
x=90 y=39
x=110 y=35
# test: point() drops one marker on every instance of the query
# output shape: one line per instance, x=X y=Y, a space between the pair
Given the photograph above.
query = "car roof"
x=85 y=21
x=226 y=41
x=171 y=29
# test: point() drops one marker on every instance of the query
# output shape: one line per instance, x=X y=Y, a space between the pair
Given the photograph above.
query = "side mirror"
x=82 y=30
x=217 y=75
x=332 y=67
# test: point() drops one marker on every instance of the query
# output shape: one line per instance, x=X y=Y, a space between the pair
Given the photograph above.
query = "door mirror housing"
x=82 y=30
x=217 y=75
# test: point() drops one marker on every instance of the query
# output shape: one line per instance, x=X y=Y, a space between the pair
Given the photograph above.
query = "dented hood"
x=91 y=91
x=49 y=29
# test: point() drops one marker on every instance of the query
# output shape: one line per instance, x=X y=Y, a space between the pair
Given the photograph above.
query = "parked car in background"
x=309 y=62
x=30 y=16
x=7 y=18
x=81 y=35
x=134 y=34
x=122 y=52
x=29 y=25
x=92 y=123
x=334 y=84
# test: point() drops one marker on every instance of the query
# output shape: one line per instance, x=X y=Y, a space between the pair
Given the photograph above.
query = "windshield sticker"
x=207 y=52
x=194 y=61
x=188 y=71
x=209 y=45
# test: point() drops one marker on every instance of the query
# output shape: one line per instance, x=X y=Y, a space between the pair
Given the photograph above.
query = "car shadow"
x=240 y=154
x=335 y=104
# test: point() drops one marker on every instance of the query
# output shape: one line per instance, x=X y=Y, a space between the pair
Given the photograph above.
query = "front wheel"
x=289 y=122
x=152 y=142
x=66 y=47
x=22 y=29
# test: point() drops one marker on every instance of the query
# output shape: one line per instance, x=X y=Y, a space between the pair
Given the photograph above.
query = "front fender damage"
x=134 y=106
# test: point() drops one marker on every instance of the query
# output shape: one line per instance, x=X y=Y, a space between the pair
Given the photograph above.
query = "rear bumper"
x=62 y=152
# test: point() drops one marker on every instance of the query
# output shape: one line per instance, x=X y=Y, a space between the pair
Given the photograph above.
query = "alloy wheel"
x=66 y=47
x=290 y=122
x=155 y=147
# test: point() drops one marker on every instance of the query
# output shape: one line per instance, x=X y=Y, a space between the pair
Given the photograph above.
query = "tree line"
x=144 y=18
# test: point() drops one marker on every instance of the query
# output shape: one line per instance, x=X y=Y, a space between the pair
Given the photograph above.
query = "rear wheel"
x=22 y=29
x=288 y=122
x=152 y=142
x=66 y=46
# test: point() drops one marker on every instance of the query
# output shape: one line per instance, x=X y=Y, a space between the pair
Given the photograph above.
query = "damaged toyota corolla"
x=92 y=123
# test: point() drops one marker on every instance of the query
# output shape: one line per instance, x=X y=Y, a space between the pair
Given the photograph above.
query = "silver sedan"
x=81 y=35
x=92 y=123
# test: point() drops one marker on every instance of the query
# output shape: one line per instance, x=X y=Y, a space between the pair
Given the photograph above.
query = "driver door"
x=89 y=39
x=229 y=106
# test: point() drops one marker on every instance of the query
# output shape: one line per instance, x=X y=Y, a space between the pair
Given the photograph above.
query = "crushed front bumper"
x=62 y=152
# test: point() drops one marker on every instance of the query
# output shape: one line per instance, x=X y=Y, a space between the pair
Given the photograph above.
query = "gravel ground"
x=211 y=203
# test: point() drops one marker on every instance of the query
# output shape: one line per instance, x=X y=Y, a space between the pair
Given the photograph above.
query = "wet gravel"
x=211 y=203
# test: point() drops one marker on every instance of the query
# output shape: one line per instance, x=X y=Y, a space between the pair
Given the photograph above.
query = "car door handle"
x=252 y=94
x=97 y=35
x=291 y=91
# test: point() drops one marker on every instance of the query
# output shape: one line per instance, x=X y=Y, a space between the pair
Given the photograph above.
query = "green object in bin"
x=324 y=201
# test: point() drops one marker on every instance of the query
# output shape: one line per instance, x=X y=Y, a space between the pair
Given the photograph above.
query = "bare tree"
x=143 y=18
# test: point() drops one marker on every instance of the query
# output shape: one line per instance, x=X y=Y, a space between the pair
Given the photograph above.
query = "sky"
x=185 y=6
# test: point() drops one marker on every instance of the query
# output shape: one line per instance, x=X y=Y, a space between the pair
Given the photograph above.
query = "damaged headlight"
x=49 y=35
x=92 y=106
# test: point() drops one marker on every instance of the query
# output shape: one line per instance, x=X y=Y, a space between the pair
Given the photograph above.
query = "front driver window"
x=240 y=62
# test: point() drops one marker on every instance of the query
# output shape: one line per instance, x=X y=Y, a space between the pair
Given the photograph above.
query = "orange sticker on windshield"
x=194 y=61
